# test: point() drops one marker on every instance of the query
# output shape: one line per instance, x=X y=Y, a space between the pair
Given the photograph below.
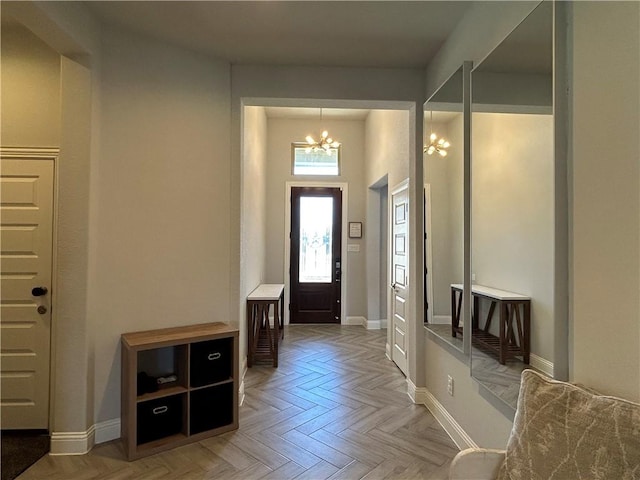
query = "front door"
x=316 y=232
x=25 y=311
x=399 y=274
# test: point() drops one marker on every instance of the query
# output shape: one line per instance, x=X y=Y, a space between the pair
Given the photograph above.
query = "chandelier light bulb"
x=325 y=144
x=435 y=144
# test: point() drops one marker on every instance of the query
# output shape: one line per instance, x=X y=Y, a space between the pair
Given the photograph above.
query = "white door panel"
x=26 y=236
x=399 y=274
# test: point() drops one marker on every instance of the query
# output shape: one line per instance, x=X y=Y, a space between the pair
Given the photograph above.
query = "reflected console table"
x=263 y=339
x=514 y=332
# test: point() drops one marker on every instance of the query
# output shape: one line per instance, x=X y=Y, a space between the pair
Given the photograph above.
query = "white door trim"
x=46 y=153
x=287 y=242
x=428 y=251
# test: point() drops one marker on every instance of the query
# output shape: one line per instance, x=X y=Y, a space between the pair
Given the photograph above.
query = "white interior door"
x=26 y=192
x=399 y=274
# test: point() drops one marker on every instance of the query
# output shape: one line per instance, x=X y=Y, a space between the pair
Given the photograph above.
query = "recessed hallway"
x=334 y=408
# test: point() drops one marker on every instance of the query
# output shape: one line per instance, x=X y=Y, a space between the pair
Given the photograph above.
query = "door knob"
x=39 y=291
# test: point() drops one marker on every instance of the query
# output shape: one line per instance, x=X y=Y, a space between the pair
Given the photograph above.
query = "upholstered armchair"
x=561 y=431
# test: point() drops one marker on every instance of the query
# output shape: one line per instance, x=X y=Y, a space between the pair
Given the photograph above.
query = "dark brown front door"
x=316 y=232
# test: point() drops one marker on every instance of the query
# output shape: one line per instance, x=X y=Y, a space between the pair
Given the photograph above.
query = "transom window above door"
x=310 y=161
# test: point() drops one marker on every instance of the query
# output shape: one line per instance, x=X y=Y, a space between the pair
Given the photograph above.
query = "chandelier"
x=326 y=143
x=436 y=144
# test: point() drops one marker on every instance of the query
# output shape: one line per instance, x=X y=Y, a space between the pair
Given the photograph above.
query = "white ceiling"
x=313 y=33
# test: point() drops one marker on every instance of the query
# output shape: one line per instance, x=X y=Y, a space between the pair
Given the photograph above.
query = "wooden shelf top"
x=267 y=291
x=176 y=335
x=498 y=294
x=161 y=393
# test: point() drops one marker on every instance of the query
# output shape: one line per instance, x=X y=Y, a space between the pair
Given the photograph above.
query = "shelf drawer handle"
x=159 y=410
x=214 y=356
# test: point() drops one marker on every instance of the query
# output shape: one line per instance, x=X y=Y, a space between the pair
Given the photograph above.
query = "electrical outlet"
x=450 y=385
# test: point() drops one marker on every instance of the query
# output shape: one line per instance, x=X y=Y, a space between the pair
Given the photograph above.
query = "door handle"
x=39 y=291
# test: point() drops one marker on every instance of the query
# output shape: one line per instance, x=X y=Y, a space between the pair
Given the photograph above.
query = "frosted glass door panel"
x=316 y=219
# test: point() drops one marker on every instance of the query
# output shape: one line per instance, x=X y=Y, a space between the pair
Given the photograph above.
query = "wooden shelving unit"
x=200 y=399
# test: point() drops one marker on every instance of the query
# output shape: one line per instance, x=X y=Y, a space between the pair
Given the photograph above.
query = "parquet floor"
x=335 y=408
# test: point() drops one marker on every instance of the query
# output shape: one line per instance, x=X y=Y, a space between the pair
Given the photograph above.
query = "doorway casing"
x=287 y=242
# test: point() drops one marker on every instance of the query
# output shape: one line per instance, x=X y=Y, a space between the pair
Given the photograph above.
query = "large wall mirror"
x=446 y=167
x=513 y=207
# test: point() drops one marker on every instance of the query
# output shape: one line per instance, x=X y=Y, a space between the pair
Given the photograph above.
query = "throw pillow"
x=564 y=432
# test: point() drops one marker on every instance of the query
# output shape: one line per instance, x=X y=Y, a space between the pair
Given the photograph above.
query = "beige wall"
x=254 y=208
x=30 y=94
x=161 y=237
x=512 y=213
x=605 y=203
x=72 y=333
x=387 y=148
x=350 y=133
x=388 y=153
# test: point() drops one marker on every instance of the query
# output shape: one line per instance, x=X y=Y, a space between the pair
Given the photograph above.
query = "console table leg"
x=503 y=334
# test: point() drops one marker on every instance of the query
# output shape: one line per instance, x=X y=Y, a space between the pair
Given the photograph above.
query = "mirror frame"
x=466 y=67
x=560 y=131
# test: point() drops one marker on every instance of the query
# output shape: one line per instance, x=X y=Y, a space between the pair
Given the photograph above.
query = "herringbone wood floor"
x=335 y=408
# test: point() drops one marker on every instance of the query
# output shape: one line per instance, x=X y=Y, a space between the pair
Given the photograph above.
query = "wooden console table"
x=263 y=340
x=514 y=316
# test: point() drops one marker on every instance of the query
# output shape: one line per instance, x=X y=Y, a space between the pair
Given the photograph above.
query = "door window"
x=316 y=220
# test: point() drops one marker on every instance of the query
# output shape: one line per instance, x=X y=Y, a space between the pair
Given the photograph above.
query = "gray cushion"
x=562 y=431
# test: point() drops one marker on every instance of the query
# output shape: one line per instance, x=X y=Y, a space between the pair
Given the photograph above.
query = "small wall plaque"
x=355 y=229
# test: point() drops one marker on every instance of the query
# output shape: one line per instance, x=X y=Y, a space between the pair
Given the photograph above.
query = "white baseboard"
x=416 y=394
x=387 y=351
x=383 y=323
x=107 y=431
x=72 y=443
x=356 y=321
x=243 y=372
x=441 y=320
x=368 y=324
x=444 y=418
x=79 y=443
x=542 y=364
x=372 y=325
